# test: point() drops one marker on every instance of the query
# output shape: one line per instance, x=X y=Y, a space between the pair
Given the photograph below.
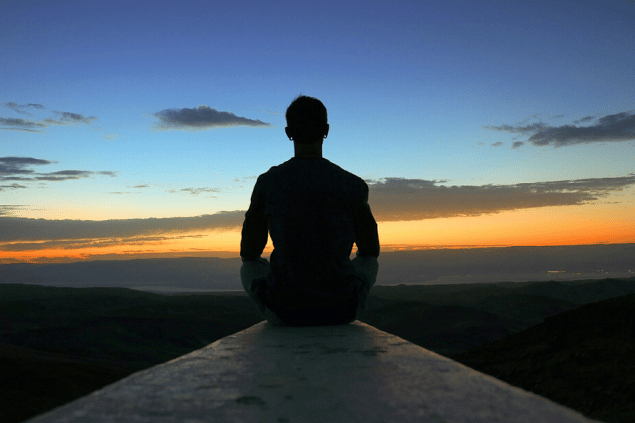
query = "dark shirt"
x=314 y=211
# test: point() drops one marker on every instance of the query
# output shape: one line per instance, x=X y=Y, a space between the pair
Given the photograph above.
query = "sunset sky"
x=138 y=128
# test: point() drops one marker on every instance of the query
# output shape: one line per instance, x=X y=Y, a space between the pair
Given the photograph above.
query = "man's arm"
x=255 y=229
x=366 y=236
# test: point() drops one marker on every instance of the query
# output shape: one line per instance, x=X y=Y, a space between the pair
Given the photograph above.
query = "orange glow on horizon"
x=547 y=226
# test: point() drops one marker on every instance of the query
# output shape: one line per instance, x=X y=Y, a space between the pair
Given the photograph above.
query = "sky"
x=138 y=128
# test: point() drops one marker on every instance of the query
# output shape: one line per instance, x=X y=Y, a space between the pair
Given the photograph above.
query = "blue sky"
x=422 y=91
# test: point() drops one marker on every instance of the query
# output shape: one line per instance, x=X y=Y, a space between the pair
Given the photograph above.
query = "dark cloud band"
x=391 y=199
x=91 y=243
x=28 y=125
x=200 y=118
x=19 y=169
x=15 y=229
x=610 y=128
x=23 y=108
x=399 y=199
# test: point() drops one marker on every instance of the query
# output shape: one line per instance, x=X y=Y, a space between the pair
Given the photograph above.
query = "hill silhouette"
x=450 y=319
x=582 y=358
x=57 y=344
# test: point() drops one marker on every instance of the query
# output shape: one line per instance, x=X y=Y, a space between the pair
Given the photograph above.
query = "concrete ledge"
x=350 y=373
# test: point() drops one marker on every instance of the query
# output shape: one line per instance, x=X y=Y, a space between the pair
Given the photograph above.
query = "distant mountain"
x=583 y=358
x=450 y=319
x=511 y=264
x=442 y=266
x=184 y=272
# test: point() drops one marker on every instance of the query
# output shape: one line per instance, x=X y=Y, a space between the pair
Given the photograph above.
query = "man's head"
x=307 y=120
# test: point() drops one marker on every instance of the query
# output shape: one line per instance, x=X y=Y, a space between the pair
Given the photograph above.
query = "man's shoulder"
x=345 y=172
x=322 y=165
x=350 y=179
x=273 y=172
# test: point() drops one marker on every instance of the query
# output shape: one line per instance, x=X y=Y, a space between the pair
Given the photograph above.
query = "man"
x=314 y=212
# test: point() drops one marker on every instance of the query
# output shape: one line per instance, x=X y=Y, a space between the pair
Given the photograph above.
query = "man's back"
x=312 y=208
x=314 y=211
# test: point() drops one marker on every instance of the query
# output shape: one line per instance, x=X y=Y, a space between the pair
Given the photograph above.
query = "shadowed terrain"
x=583 y=359
x=57 y=344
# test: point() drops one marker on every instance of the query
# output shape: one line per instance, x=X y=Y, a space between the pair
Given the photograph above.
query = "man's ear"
x=289 y=133
x=326 y=130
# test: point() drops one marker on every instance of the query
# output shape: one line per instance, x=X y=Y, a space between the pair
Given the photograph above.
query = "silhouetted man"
x=314 y=211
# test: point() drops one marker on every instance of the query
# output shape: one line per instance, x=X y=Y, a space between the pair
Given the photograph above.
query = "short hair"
x=306 y=114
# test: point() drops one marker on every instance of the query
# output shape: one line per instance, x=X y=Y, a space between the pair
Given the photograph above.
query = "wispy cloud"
x=19 y=124
x=519 y=129
x=609 y=128
x=400 y=199
x=68 y=118
x=23 y=108
x=200 y=118
x=30 y=125
x=91 y=243
x=21 y=169
x=584 y=120
x=12 y=186
x=110 y=137
x=9 y=209
x=65 y=175
x=195 y=191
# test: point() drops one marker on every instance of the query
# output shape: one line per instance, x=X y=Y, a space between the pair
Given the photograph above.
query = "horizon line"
x=225 y=254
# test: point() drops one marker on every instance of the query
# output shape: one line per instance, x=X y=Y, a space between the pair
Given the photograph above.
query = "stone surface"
x=350 y=373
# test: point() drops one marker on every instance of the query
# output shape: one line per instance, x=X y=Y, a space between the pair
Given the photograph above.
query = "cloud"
x=497 y=144
x=18 y=124
x=200 y=118
x=16 y=165
x=399 y=199
x=518 y=129
x=19 y=229
x=12 y=186
x=68 y=118
x=90 y=243
x=8 y=209
x=517 y=144
x=110 y=137
x=65 y=175
x=584 y=120
x=610 y=128
x=19 y=169
x=196 y=191
x=391 y=199
x=20 y=108
x=28 y=125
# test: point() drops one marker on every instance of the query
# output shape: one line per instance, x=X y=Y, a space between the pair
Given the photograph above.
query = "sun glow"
x=546 y=226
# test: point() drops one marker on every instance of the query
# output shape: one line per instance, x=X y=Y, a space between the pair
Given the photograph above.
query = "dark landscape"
x=572 y=342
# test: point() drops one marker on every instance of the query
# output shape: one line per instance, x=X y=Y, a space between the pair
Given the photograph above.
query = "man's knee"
x=252 y=270
x=368 y=266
